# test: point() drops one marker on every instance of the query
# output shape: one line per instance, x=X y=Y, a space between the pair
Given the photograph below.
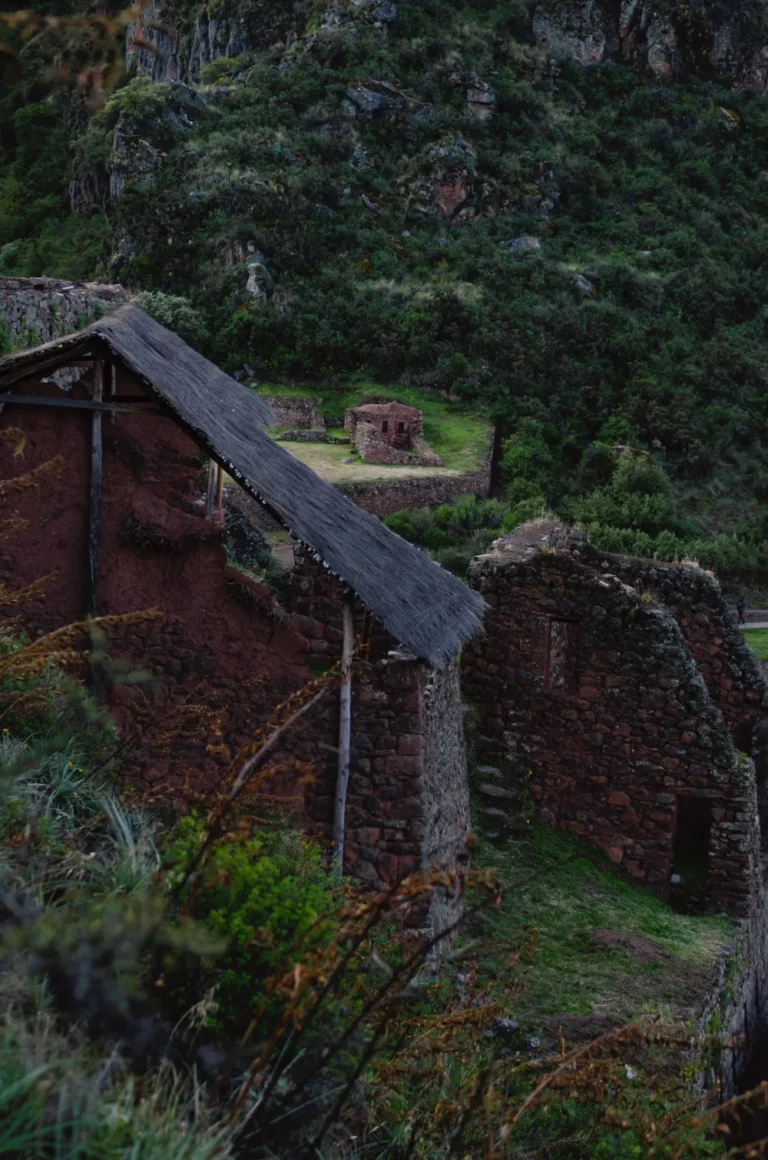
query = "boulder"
x=523 y=245
x=481 y=101
x=584 y=285
x=373 y=96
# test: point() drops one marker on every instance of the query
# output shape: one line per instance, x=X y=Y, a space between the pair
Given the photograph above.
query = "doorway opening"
x=690 y=855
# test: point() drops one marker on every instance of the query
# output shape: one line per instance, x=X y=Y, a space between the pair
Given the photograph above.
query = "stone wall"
x=408 y=804
x=35 y=310
x=380 y=497
x=374 y=448
x=735 y=1011
x=729 y=667
x=589 y=685
x=300 y=412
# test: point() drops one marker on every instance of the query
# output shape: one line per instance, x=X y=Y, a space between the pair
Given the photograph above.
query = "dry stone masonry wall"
x=589 y=684
x=408 y=802
x=34 y=310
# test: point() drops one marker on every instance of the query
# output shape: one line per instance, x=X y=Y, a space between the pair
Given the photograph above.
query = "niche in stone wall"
x=690 y=854
x=560 y=655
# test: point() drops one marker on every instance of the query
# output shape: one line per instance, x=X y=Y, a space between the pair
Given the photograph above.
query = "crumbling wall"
x=296 y=411
x=381 y=497
x=729 y=668
x=590 y=686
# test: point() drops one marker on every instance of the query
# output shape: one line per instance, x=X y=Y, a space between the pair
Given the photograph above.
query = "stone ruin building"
x=389 y=433
x=132 y=451
x=624 y=693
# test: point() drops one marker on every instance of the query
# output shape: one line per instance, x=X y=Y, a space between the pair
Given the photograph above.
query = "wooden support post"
x=219 y=487
x=94 y=522
x=211 y=493
x=113 y=389
x=345 y=730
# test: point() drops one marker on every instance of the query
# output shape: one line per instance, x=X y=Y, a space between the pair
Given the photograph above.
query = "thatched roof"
x=423 y=606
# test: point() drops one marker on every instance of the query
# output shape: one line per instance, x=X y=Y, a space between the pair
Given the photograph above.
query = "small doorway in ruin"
x=689 y=879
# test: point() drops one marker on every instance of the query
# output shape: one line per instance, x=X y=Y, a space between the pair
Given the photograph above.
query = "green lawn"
x=330 y=463
x=556 y=892
x=757 y=639
x=459 y=436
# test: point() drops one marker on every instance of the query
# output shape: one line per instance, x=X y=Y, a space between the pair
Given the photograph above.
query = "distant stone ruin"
x=389 y=433
x=299 y=412
x=623 y=694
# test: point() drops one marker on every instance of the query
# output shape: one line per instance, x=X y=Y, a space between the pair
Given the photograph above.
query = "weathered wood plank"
x=34 y=370
x=345 y=730
x=219 y=486
x=211 y=492
x=94 y=521
x=73 y=404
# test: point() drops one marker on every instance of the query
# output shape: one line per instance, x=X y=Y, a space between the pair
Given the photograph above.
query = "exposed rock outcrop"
x=701 y=38
x=164 y=52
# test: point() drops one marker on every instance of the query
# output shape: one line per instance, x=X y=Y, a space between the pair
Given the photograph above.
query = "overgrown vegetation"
x=205 y=986
x=202 y=988
x=455 y=533
x=650 y=192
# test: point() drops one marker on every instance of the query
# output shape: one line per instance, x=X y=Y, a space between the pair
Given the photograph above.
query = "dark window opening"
x=560 y=655
x=690 y=855
x=742 y=737
x=401 y=428
x=385 y=426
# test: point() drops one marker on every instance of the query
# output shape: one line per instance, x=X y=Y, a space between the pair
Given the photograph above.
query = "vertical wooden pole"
x=219 y=486
x=211 y=493
x=345 y=729
x=94 y=521
x=113 y=390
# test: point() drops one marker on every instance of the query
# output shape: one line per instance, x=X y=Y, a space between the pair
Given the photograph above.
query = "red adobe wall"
x=225 y=655
x=590 y=686
x=223 y=646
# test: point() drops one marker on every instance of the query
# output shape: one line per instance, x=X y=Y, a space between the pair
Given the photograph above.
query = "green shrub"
x=219 y=70
x=265 y=898
x=175 y=312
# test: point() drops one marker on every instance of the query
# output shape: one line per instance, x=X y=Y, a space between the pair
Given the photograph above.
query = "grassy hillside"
x=640 y=319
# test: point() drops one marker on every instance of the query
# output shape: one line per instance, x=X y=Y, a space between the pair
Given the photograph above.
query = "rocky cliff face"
x=163 y=50
x=725 y=40
x=714 y=38
x=166 y=48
